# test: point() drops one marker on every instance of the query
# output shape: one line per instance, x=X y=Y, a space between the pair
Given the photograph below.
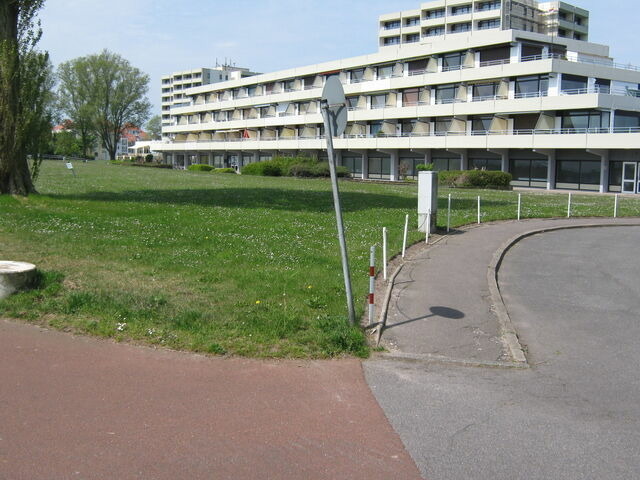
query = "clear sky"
x=162 y=36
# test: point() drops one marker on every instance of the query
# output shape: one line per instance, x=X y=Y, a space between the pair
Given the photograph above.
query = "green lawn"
x=219 y=263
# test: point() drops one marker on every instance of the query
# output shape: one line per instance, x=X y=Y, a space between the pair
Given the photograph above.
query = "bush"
x=303 y=167
x=148 y=158
x=424 y=167
x=253 y=169
x=200 y=167
x=475 y=179
x=312 y=170
x=224 y=170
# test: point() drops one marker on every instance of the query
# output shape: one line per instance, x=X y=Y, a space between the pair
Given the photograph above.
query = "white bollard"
x=569 y=206
x=404 y=238
x=519 y=205
x=615 y=207
x=372 y=283
x=384 y=253
x=478 y=209
x=448 y=213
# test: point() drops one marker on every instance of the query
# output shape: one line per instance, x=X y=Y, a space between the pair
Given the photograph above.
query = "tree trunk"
x=15 y=177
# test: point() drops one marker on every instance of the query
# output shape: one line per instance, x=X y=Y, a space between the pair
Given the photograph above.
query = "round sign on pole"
x=333 y=94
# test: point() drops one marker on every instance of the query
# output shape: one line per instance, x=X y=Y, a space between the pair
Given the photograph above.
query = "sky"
x=163 y=36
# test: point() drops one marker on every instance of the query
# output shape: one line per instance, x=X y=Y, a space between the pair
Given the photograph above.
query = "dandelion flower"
x=257 y=302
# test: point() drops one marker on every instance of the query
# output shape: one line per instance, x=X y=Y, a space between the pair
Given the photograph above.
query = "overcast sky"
x=162 y=36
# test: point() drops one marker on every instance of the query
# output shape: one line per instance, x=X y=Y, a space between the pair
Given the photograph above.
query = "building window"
x=380 y=167
x=434 y=31
x=410 y=97
x=412 y=38
x=393 y=24
x=460 y=27
x=407 y=167
x=461 y=9
x=378 y=101
x=494 y=164
x=580 y=121
x=534 y=86
x=442 y=125
x=625 y=120
x=452 y=61
x=487 y=24
x=529 y=172
x=384 y=71
x=410 y=22
x=489 y=5
x=484 y=91
x=353 y=164
x=573 y=84
x=481 y=124
x=375 y=128
x=352 y=102
x=357 y=75
x=578 y=174
x=392 y=40
x=436 y=13
x=446 y=93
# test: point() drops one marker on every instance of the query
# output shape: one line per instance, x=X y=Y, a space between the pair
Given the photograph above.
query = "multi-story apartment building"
x=552 y=109
x=175 y=85
x=447 y=17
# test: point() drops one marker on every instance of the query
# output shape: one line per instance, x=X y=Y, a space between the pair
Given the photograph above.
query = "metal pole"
x=615 y=207
x=428 y=229
x=404 y=238
x=569 y=206
x=384 y=252
x=372 y=283
x=448 y=213
x=336 y=202
x=519 y=205
x=478 y=209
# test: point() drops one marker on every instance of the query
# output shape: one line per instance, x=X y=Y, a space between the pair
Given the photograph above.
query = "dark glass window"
x=446 y=93
x=486 y=163
x=533 y=86
x=461 y=10
x=579 y=173
x=378 y=101
x=626 y=119
x=380 y=167
x=452 y=61
x=484 y=90
x=585 y=119
x=443 y=124
x=375 y=127
x=410 y=97
x=573 y=82
x=353 y=164
x=352 y=102
x=357 y=75
x=417 y=66
x=384 y=71
x=481 y=124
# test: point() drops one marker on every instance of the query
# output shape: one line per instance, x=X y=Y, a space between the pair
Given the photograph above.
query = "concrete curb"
x=508 y=334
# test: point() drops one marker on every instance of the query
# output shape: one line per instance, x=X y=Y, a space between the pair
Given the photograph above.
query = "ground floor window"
x=578 y=174
x=442 y=164
x=353 y=164
x=218 y=161
x=529 y=172
x=407 y=168
x=380 y=168
x=204 y=159
x=265 y=158
x=615 y=176
x=485 y=164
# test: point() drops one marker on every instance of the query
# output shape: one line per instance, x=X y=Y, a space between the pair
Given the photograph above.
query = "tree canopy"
x=25 y=95
x=154 y=127
x=102 y=93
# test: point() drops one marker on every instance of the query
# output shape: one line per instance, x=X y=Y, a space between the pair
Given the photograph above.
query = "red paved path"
x=74 y=407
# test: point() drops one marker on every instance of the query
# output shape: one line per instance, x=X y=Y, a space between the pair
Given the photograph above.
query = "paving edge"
x=508 y=333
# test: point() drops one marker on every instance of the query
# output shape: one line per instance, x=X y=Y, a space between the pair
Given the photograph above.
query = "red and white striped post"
x=372 y=283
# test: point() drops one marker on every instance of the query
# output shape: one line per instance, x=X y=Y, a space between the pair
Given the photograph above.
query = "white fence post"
x=428 y=226
x=519 y=205
x=448 y=213
x=404 y=238
x=478 y=209
x=569 y=206
x=372 y=283
x=384 y=252
x=615 y=207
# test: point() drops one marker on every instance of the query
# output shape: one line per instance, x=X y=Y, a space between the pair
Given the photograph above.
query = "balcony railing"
x=474 y=133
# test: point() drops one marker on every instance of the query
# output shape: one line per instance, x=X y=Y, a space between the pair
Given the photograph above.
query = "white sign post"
x=69 y=166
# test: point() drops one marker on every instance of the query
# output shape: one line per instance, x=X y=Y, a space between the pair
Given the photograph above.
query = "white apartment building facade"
x=552 y=109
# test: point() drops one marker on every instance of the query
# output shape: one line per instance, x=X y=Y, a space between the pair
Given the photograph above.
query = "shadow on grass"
x=271 y=198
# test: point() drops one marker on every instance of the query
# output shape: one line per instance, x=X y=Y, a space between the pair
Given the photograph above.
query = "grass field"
x=219 y=263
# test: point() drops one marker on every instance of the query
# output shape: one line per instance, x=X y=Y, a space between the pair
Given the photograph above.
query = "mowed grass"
x=219 y=263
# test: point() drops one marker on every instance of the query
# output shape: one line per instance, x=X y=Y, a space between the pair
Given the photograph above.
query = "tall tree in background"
x=120 y=97
x=75 y=93
x=25 y=80
x=154 y=127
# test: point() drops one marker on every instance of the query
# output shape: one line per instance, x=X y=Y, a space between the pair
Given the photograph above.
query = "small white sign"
x=69 y=165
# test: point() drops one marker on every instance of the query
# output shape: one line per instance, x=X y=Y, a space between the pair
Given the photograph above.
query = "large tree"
x=24 y=93
x=154 y=127
x=75 y=92
x=106 y=92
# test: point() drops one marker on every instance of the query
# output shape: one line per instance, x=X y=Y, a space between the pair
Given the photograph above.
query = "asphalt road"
x=574 y=297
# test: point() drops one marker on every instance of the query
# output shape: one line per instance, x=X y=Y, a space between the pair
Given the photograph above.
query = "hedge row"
x=475 y=179
x=203 y=167
x=292 y=167
x=147 y=165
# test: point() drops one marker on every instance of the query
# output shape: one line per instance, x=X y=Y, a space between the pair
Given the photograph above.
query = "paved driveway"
x=574 y=298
